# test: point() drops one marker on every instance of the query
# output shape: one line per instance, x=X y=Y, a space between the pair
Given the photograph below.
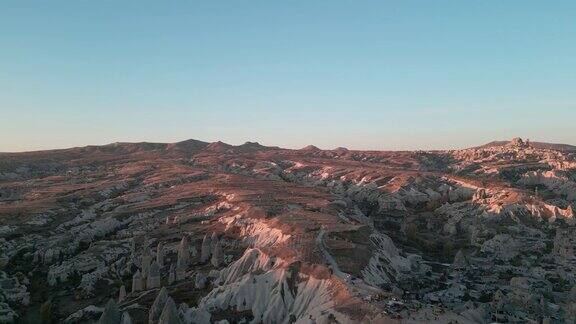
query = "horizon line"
x=272 y=146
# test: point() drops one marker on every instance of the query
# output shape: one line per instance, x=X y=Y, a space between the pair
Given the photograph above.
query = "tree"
x=447 y=249
x=46 y=312
x=412 y=232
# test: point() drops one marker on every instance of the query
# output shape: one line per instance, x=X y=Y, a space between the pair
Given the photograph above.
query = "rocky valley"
x=196 y=232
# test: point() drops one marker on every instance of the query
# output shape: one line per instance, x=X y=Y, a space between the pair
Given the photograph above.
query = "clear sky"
x=386 y=74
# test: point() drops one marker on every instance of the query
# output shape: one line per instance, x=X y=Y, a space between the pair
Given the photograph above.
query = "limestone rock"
x=217 y=255
x=157 y=306
x=160 y=254
x=193 y=253
x=213 y=240
x=146 y=261
x=206 y=249
x=111 y=314
x=153 y=280
x=388 y=265
x=183 y=253
x=172 y=275
x=200 y=281
x=126 y=319
x=170 y=313
x=517 y=142
x=137 y=283
x=122 y=294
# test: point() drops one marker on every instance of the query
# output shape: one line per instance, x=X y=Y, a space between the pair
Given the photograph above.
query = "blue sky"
x=362 y=74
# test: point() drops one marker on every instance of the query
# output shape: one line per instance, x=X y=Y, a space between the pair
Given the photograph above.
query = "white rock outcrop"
x=273 y=293
x=387 y=265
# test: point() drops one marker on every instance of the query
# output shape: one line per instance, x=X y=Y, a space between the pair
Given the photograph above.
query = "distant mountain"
x=311 y=148
x=192 y=146
x=539 y=145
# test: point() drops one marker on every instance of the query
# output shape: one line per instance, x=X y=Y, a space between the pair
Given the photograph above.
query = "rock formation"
x=213 y=240
x=200 y=281
x=160 y=254
x=517 y=142
x=158 y=306
x=137 y=282
x=206 y=249
x=146 y=261
x=111 y=314
x=126 y=319
x=318 y=236
x=153 y=280
x=217 y=255
x=169 y=313
x=183 y=253
x=172 y=275
x=122 y=294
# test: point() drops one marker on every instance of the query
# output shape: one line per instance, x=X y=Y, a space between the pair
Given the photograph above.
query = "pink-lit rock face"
x=202 y=232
